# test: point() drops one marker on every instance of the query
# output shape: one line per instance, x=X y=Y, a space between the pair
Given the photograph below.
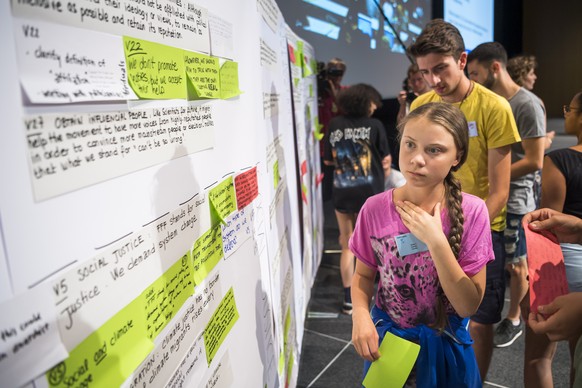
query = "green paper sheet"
x=397 y=357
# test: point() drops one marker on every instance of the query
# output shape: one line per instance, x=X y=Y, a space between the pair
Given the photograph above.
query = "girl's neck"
x=426 y=197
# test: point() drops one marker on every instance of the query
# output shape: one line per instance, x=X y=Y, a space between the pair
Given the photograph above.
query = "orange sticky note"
x=547 y=273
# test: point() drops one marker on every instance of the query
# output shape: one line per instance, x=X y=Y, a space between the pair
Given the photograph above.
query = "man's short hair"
x=438 y=37
x=486 y=53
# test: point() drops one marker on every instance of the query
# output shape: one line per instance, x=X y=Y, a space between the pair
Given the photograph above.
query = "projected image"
x=361 y=23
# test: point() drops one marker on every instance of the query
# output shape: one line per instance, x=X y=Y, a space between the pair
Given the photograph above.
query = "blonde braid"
x=454 y=200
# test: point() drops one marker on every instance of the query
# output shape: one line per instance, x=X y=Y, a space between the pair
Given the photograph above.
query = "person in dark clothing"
x=355 y=145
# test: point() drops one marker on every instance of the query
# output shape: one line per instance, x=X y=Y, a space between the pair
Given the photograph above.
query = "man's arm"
x=499 y=170
x=533 y=159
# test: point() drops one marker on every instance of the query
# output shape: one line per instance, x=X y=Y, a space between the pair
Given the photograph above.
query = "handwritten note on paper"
x=109 y=355
x=164 y=297
x=222 y=199
x=58 y=70
x=270 y=13
x=397 y=357
x=192 y=368
x=206 y=253
x=236 y=231
x=29 y=337
x=247 y=187
x=175 y=23
x=221 y=33
x=73 y=150
x=220 y=325
x=222 y=375
x=96 y=289
x=547 y=273
x=229 y=80
x=155 y=71
x=203 y=73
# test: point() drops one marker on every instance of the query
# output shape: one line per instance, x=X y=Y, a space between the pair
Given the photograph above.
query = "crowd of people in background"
x=431 y=231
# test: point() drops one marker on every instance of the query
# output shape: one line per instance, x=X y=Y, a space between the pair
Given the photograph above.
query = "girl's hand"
x=365 y=337
x=421 y=223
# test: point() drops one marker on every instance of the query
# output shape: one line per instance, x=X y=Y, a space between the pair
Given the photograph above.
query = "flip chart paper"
x=29 y=337
x=547 y=273
x=72 y=150
x=176 y=23
x=397 y=357
x=57 y=70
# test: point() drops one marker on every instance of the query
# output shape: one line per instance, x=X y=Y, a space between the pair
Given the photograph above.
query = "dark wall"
x=552 y=31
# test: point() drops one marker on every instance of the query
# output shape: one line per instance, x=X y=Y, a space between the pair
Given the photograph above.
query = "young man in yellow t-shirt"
x=440 y=55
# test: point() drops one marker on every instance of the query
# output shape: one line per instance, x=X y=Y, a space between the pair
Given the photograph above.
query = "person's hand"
x=402 y=97
x=563 y=318
x=568 y=229
x=421 y=223
x=364 y=336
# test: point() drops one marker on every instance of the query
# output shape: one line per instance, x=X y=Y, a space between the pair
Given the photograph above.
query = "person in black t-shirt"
x=355 y=145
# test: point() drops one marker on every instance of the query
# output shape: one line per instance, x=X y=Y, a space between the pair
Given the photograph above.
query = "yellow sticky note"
x=223 y=199
x=229 y=80
x=154 y=71
x=164 y=297
x=220 y=324
x=206 y=253
x=203 y=72
x=318 y=127
x=276 y=176
x=397 y=357
x=109 y=355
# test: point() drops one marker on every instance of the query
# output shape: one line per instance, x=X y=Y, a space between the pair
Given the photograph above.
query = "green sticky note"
x=206 y=253
x=220 y=325
x=154 y=71
x=281 y=364
x=203 y=73
x=229 y=80
x=165 y=296
x=108 y=356
x=222 y=199
x=318 y=127
x=276 y=174
x=397 y=357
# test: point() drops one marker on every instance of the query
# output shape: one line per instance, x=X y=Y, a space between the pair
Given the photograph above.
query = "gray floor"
x=329 y=360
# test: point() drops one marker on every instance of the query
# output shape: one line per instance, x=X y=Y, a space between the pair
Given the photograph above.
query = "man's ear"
x=463 y=60
x=495 y=67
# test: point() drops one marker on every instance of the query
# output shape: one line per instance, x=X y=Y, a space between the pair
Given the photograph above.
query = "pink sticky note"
x=547 y=273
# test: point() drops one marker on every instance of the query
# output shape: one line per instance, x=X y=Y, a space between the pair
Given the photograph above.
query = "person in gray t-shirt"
x=487 y=64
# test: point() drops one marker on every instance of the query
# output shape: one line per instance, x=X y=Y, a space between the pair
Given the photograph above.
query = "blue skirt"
x=445 y=360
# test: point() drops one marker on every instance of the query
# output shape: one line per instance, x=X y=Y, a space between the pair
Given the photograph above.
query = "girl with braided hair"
x=430 y=243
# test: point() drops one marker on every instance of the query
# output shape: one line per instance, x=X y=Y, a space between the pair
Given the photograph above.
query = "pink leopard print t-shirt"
x=408 y=286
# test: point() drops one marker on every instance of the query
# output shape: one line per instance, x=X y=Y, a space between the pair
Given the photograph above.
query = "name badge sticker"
x=473 y=129
x=408 y=244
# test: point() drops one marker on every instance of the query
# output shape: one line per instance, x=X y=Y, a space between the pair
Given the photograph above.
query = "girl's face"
x=427 y=153
x=573 y=118
x=529 y=80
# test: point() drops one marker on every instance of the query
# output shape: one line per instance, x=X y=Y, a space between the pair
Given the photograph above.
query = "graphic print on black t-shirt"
x=353 y=156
